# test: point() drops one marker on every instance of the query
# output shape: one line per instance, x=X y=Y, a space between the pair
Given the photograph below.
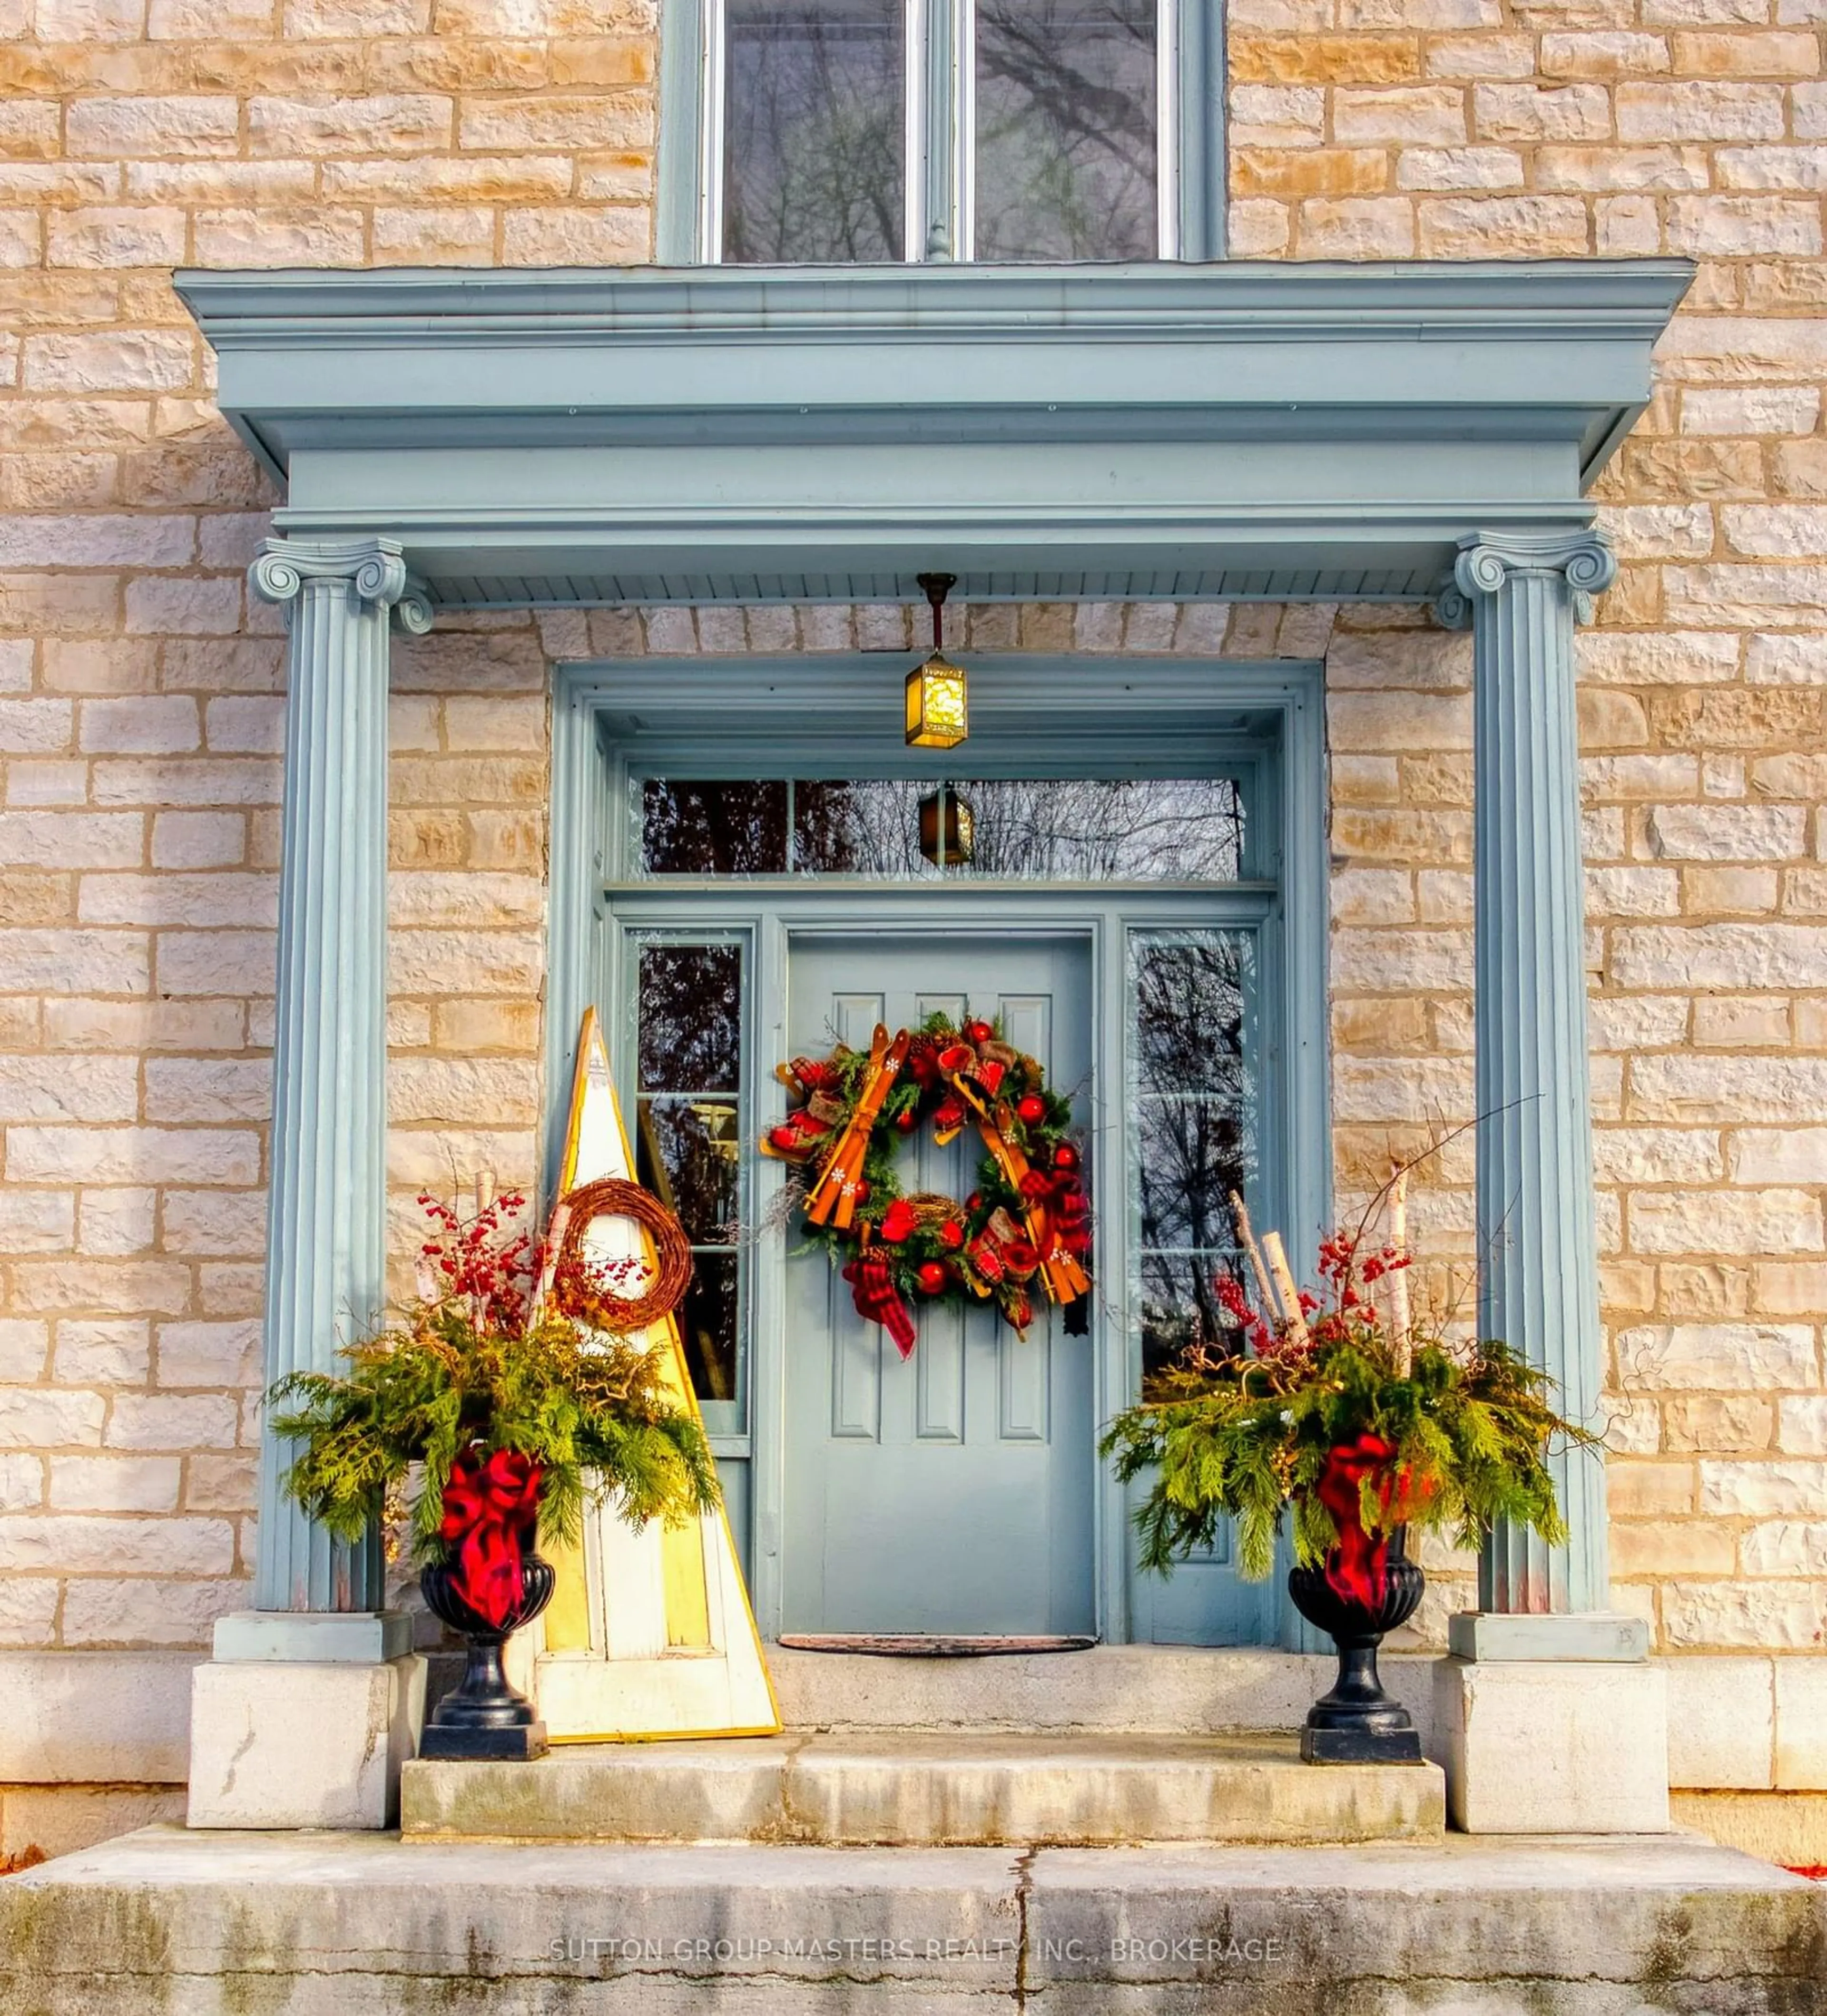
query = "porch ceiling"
x=742 y=433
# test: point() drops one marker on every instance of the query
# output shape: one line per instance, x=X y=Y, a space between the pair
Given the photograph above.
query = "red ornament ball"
x=1065 y=1157
x=907 y=1122
x=862 y=1192
x=978 y=1032
x=974 y=1201
x=951 y=1235
x=1031 y=1109
x=931 y=1277
x=898 y=1221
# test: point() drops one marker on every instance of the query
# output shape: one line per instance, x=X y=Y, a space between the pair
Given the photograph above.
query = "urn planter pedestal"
x=483 y=1718
x=1358 y=1722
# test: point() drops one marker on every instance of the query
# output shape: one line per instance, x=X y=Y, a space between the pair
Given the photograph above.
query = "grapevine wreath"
x=1027 y=1222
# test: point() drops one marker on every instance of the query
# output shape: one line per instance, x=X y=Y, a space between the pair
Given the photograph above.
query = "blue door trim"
x=719 y=713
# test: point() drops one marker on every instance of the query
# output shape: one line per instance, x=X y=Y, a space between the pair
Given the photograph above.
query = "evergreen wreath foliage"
x=995 y=1246
x=479 y=1361
x=1240 y=1428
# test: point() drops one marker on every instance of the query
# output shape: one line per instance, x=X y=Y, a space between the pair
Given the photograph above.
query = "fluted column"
x=326 y=1201
x=1538 y=1241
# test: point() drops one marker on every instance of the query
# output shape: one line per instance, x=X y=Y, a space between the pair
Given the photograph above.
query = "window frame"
x=939 y=213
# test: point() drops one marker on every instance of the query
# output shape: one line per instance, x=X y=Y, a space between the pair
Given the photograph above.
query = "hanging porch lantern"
x=937 y=702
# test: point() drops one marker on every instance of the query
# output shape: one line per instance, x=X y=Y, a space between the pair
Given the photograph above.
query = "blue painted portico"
x=498 y=439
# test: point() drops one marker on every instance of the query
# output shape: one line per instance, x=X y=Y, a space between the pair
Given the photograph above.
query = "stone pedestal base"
x=519 y=1744
x=276 y=1745
x=1360 y=1746
x=1553 y=1746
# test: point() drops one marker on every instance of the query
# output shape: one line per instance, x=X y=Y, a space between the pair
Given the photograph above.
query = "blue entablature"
x=731 y=433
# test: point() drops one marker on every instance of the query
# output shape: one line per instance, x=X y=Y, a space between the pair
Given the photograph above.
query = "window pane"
x=813 y=130
x=708 y=1320
x=1101 y=829
x=1068 y=830
x=1065 y=129
x=1190 y=1154
x=1188 y=1005
x=712 y=829
x=690 y=1017
x=864 y=828
x=690 y=1157
x=1192 y=1087
x=1179 y=1305
x=689 y=1133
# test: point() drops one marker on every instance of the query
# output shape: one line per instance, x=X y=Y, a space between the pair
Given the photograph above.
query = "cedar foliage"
x=1242 y=1430
x=479 y=1361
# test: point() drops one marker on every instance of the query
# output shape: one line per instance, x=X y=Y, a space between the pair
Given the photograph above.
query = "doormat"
x=910 y=1645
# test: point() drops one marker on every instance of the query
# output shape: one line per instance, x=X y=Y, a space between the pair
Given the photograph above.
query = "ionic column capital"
x=372 y=571
x=1488 y=562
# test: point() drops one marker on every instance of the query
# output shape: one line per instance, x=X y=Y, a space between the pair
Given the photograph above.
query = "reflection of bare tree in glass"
x=865 y=828
x=1075 y=829
x=734 y=828
x=1089 y=829
x=813 y=132
x=1065 y=129
x=688 y=1146
x=690 y=999
x=694 y=1147
x=1193 y=1129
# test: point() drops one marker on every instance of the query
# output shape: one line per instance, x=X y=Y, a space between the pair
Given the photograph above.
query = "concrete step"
x=926 y=1790
x=319 y=1925
x=1167 y=1690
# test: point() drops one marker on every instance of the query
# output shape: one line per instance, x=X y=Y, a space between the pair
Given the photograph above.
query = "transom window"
x=898 y=828
x=845 y=131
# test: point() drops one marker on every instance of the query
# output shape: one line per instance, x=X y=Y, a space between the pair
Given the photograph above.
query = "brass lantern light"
x=937 y=707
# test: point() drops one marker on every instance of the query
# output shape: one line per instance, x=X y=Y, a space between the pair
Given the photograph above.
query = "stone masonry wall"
x=139 y=712
x=1479 y=128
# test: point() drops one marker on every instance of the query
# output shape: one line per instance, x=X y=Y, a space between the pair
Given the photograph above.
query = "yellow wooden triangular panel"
x=648 y=1634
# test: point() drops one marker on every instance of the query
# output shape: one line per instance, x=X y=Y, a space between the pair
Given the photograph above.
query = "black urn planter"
x=482 y=1716
x=1357 y=1722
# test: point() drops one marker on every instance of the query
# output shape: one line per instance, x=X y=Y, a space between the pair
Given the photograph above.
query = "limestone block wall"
x=139 y=712
x=1463 y=128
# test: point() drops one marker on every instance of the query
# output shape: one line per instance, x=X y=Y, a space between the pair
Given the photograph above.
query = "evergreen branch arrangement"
x=1242 y=1426
x=481 y=1360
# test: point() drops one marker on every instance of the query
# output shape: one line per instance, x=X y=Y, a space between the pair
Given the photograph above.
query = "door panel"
x=951 y=1493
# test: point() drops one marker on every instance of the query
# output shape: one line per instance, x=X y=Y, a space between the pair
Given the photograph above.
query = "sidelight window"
x=690 y=1119
x=1192 y=1103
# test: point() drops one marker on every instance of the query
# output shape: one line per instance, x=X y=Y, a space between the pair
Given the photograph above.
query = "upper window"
x=845 y=131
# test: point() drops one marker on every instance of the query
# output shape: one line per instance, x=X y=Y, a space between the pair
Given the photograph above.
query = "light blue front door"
x=952 y=1492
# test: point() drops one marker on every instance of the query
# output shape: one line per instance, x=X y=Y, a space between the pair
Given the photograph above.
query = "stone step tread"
x=302 y=1924
x=1143 y=1750
x=1112 y=1689
x=169 y=1857
x=922 y=1788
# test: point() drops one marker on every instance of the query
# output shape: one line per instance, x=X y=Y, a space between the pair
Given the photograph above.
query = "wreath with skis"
x=1025 y=1230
